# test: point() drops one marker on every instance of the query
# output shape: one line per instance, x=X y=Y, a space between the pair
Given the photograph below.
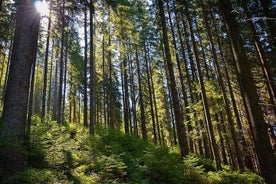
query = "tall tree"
x=208 y=120
x=61 y=66
x=85 y=97
x=16 y=98
x=43 y=108
x=240 y=163
x=271 y=88
x=141 y=99
x=92 y=71
x=263 y=148
x=181 y=132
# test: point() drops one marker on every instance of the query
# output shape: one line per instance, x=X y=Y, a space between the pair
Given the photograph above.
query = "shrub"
x=31 y=175
x=228 y=177
x=163 y=167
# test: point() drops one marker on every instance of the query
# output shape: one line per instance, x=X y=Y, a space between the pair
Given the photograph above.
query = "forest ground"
x=68 y=154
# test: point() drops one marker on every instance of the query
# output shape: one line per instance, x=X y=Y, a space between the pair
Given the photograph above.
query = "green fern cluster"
x=67 y=154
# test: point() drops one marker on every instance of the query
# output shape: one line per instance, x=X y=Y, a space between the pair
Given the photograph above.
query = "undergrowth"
x=67 y=154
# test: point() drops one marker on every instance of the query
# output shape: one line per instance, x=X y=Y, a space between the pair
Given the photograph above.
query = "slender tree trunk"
x=133 y=95
x=125 y=93
x=85 y=98
x=30 y=104
x=50 y=82
x=155 y=108
x=181 y=132
x=111 y=100
x=221 y=140
x=191 y=76
x=67 y=39
x=209 y=126
x=148 y=66
x=16 y=99
x=141 y=99
x=55 y=95
x=2 y=69
x=227 y=141
x=237 y=150
x=75 y=106
x=104 y=86
x=264 y=63
x=264 y=151
x=181 y=76
x=61 y=66
x=7 y=71
x=45 y=78
x=92 y=73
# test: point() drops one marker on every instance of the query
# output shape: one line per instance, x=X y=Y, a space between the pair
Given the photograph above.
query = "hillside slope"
x=60 y=154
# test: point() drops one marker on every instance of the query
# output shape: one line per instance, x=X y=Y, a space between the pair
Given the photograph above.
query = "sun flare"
x=42 y=7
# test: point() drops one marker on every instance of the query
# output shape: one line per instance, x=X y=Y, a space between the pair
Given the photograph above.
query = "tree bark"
x=248 y=88
x=92 y=73
x=85 y=98
x=150 y=87
x=16 y=98
x=45 y=78
x=181 y=132
x=208 y=121
x=237 y=150
x=141 y=99
x=263 y=60
x=61 y=67
x=181 y=77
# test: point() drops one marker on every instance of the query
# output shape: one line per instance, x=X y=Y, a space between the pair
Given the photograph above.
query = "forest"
x=138 y=91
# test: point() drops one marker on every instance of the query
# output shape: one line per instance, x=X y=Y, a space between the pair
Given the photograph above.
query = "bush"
x=227 y=177
x=60 y=154
x=163 y=167
x=37 y=176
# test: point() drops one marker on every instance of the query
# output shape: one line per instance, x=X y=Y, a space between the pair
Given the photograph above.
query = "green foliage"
x=195 y=168
x=67 y=154
x=225 y=177
x=163 y=166
x=31 y=175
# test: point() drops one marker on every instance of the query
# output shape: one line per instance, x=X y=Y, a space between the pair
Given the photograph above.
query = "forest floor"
x=68 y=154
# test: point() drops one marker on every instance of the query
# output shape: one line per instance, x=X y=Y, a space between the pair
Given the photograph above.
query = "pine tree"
x=248 y=88
x=16 y=98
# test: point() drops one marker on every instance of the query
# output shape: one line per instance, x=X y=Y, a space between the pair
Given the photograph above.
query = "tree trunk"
x=209 y=126
x=67 y=39
x=183 y=88
x=237 y=150
x=61 y=67
x=270 y=14
x=7 y=71
x=181 y=132
x=221 y=140
x=85 y=98
x=263 y=61
x=45 y=78
x=92 y=73
x=50 y=82
x=141 y=99
x=148 y=68
x=248 y=88
x=16 y=98
x=133 y=95
x=30 y=104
